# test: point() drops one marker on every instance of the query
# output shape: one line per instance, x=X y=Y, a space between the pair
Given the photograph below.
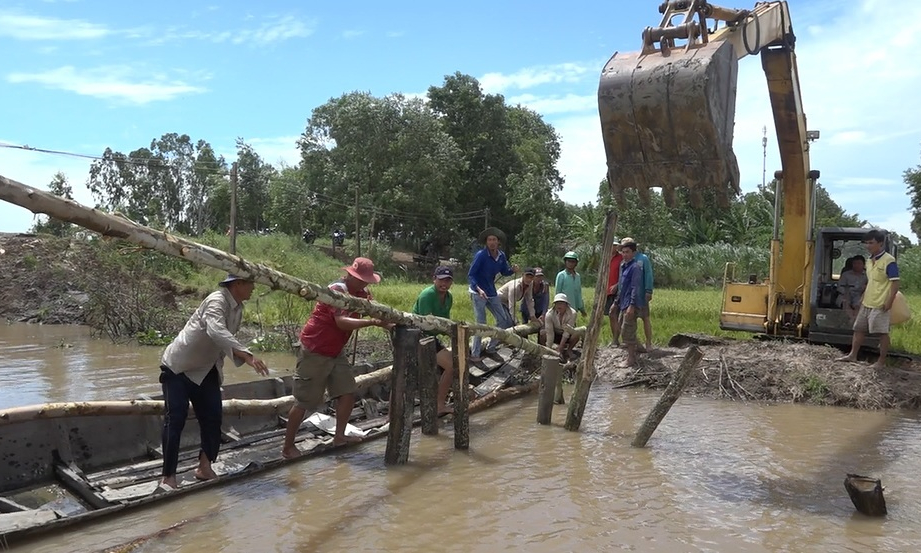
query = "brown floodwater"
x=716 y=476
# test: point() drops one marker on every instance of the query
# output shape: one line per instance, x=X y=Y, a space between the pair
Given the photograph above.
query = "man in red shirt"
x=610 y=304
x=321 y=364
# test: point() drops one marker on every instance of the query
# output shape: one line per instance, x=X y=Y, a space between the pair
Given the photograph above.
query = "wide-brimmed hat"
x=444 y=272
x=230 y=278
x=363 y=269
x=492 y=231
x=561 y=297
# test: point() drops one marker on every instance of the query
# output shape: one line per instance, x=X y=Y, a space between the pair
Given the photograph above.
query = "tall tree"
x=912 y=179
x=388 y=158
x=164 y=185
x=49 y=225
x=253 y=176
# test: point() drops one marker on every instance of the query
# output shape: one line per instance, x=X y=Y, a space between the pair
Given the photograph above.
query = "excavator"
x=667 y=116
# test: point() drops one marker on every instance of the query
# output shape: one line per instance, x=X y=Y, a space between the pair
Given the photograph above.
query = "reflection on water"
x=716 y=476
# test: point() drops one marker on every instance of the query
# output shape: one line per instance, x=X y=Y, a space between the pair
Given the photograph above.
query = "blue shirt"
x=541 y=300
x=632 y=284
x=484 y=269
x=647 y=271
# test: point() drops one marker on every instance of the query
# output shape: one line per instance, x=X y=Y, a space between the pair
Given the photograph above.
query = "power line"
x=146 y=162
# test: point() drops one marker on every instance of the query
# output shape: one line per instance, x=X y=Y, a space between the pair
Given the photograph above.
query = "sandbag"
x=900 y=311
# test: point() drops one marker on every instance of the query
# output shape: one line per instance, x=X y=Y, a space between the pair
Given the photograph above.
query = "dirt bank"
x=39 y=280
x=773 y=371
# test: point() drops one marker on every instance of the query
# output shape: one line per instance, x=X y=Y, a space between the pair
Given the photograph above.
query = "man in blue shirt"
x=647 y=285
x=631 y=298
x=487 y=263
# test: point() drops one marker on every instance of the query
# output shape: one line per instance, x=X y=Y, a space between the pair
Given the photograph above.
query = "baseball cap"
x=444 y=272
x=529 y=271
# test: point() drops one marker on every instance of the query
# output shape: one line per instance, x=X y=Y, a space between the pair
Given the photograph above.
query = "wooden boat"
x=56 y=472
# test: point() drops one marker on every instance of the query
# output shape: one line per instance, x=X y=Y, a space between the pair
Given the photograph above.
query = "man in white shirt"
x=518 y=289
x=191 y=369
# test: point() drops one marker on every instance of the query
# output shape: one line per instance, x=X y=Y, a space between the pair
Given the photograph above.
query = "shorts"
x=608 y=302
x=628 y=324
x=317 y=373
x=872 y=320
x=558 y=337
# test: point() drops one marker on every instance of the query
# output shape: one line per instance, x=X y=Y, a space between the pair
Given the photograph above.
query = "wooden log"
x=428 y=387
x=403 y=385
x=459 y=346
x=141 y=407
x=501 y=395
x=866 y=494
x=550 y=374
x=38 y=201
x=669 y=396
x=585 y=370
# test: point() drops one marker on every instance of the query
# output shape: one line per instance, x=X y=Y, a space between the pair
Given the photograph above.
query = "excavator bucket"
x=667 y=121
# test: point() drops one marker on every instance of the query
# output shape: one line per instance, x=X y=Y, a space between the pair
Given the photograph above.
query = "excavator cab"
x=668 y=111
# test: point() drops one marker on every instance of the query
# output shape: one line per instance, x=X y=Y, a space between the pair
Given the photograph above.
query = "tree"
x=253 y=177
x=164 y=185
x=650 y=224
x=49 y=225
x=390 y=158
x=912 y=179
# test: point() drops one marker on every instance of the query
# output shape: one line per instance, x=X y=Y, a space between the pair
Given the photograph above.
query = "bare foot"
x=169 y=482
x=342 y=440
x=878 y=366
x=629 y=363
x=292 y=453
x=204 y=474
x=847 y=359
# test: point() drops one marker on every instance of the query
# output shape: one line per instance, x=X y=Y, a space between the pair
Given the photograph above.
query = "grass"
x=673 y=310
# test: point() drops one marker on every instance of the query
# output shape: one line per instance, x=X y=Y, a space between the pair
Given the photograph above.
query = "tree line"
x=406 y=171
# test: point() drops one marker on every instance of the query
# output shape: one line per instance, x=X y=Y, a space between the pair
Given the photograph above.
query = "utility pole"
x=233 y=208
x=357 y=225
x=764 y=159
x=486 y=213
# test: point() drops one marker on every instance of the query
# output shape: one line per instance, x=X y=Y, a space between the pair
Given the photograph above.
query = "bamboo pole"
x=140 y=407
x=672 y=391
x=38 y=201
x=585 y=371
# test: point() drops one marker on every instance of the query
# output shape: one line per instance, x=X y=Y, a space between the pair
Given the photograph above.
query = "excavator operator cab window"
x=835 y=259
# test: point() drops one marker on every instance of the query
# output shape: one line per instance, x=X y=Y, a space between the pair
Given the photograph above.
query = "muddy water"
x=717 y=476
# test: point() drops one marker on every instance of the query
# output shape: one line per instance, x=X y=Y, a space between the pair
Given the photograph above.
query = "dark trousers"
x=178 y=391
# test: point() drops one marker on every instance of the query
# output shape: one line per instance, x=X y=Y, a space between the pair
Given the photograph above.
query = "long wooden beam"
x=39 y=201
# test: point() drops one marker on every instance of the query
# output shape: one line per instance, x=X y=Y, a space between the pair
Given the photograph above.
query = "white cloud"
x=548 y=105
x=535 y=76
x=352 y=33
x=273 y=29
x=395 y=34
x=111 y=83
x=28 y=27
x=276 y=150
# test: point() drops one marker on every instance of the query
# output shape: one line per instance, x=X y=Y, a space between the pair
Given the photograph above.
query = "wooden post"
x=459 y=347
x=428 y=386
x=402 y=394
x=672 y=391
x=867 y=494
x=558 y=390
x=585 y=370
x=233 y=208
x=550 y=372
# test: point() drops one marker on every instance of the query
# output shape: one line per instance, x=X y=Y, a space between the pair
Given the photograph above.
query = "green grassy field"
x=672 y=312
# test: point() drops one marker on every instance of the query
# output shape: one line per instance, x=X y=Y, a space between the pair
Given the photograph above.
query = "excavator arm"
x=667 y=117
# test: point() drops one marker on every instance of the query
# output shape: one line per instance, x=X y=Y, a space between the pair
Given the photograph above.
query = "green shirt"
x=428 y=303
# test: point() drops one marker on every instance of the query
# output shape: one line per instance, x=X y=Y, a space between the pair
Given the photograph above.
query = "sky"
x=83 y=75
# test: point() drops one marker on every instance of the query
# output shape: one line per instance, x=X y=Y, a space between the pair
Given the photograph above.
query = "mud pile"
x=39 y=280
x=777 y=371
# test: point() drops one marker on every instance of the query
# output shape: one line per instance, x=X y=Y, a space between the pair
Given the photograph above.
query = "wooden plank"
x=459 y=346
x=74 y=481
x=499 y=378
x=9 y=506
x=402 y=394
x=15 y=522
x=428 y=387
